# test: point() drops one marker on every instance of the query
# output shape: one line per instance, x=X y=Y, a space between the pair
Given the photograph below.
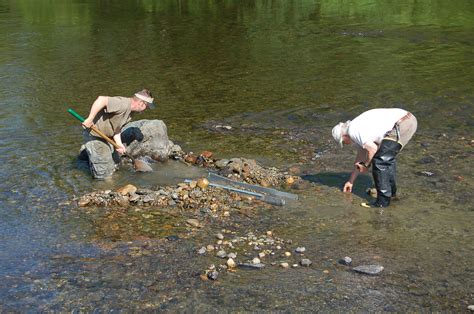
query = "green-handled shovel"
x=138 y=164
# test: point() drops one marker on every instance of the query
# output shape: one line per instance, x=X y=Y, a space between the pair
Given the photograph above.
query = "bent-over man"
x=109 y=115
x=379 y=135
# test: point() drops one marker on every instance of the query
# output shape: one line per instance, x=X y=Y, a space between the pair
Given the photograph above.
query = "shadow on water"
x=337 y=179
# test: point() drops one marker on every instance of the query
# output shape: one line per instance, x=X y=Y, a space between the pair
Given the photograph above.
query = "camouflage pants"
x=103 y=159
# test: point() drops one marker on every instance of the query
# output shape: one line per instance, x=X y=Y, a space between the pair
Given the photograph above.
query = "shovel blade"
x=141 y=166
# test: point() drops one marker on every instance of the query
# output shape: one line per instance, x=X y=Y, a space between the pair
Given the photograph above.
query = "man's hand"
x=121 y=150
x=88 y=123
x=347 y=187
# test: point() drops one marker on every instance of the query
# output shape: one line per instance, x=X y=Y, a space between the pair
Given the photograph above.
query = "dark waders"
x=384 y=168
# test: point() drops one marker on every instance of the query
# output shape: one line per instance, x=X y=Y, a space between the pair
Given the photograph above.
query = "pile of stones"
x=241 y=169
x=250 y=251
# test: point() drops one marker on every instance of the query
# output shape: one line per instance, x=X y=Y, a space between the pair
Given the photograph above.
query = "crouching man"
x=109 y=115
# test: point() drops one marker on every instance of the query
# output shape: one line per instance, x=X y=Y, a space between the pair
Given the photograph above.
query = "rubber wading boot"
x=384 y=166
x=382 y=201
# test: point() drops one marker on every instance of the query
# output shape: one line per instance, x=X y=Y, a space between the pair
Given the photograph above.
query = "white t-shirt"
x=372 y=125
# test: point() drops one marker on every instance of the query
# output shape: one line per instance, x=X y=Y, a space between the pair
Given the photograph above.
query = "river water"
x=281 y=73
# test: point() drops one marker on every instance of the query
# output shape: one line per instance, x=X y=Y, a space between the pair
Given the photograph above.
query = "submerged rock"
x=193 y=223
x=142 y=166
x=305 y=262
x=300 y=250
x=345 y=261
x=369 y=269
x=128 y=189
x=251 y=265
x=221 y=254
x=213 y=275
x=231 y=263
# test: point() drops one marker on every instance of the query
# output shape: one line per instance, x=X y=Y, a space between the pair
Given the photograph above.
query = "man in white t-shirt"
x=379 y=135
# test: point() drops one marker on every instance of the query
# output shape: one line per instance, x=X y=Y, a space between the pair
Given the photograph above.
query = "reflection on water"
x=281 y=73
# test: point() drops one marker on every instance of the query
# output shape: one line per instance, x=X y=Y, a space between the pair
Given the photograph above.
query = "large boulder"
x=148 y=138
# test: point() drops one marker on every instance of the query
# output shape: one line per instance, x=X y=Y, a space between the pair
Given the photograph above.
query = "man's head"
x=339 y=132
x=142 y=100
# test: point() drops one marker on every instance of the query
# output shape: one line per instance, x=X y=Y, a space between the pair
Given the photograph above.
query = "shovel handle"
x=93 y=128
x=76 y=115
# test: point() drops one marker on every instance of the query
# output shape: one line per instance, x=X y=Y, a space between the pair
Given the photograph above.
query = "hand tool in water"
x=139 y=165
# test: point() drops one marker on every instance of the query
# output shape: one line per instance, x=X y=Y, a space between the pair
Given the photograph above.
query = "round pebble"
x=345 y=261
x=284 y=265
x=231 y=263
x=213 y=275
x=305 y=262
x=300 y=250
x=221 y=254
x=287 y=254
x=256 y=260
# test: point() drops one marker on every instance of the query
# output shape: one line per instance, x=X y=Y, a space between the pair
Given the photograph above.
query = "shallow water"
x=281 y=74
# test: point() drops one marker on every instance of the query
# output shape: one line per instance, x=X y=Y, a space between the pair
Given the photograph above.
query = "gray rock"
x=202 y=251
x=220 y=236
x=251 y=266
x=147 y=138
x=232 y=255
x=221 y=254
x=427 y=173
x=162 y=192
x=213 y=275
x=148 y=198
x=221 y=163
x=471 y=308
x=300 y=250
x=345 y=261
x=368 y=269
x=134 y=198
x=305 y=262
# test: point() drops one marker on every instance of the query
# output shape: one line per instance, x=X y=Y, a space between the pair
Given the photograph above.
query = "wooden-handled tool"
x=93 y=128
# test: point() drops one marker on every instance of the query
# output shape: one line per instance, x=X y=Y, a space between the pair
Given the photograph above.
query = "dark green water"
x=281 y=73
